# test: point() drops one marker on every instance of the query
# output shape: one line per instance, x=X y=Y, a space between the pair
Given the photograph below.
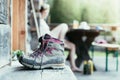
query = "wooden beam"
x=18 y=72
x=15 y=30
x=22 y=23
x=18 y=24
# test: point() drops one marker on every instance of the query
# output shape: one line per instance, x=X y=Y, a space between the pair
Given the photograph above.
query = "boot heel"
x=54 y=66
x=58 y=66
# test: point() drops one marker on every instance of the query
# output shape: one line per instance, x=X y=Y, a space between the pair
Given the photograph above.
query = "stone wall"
x=4 y=44
x=5 y=38
x=3 y=11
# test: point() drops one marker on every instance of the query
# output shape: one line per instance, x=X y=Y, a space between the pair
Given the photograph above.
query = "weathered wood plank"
x=64 y=74
x=18 y=72
x=22 y=24
x=109 y=46
x=18 y=24
x=15 y=25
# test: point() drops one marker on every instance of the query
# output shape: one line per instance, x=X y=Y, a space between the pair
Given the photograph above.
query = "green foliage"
x=17 y=53
x=92 y=11
x=61 y=8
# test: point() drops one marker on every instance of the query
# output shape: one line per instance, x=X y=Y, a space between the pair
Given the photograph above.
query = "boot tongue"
x=40 y=39
x=47 y=36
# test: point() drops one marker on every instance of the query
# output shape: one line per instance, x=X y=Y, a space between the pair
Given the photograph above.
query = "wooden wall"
x=18 y=24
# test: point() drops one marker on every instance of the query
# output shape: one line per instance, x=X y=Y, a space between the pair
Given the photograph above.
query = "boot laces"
x=40 y=50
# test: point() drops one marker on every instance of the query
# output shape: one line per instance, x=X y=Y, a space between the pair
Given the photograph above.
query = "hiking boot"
x=49 y=54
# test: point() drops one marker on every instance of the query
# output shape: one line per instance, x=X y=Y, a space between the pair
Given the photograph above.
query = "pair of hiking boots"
x=50 y=54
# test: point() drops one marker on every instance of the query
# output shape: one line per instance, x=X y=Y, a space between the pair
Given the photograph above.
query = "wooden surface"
x=18 y=72
x=18 y=24
x=109 y=46
x=82 y=39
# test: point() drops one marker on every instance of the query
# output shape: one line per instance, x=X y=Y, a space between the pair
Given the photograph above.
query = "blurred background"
x=92 y=11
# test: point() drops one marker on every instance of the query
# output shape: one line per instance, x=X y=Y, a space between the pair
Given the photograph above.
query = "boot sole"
x=53 y=66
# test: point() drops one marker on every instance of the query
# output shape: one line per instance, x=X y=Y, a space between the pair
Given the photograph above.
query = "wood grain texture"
x=22 y=22
x=18 y=24
x=18 y=72
x=15 y=28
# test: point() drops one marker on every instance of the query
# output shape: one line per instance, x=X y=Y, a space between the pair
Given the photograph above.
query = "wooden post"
x=22 y=24
x=18 y=24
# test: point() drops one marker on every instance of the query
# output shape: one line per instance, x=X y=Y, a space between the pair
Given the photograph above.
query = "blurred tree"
x=94 y=11
x=61 y=8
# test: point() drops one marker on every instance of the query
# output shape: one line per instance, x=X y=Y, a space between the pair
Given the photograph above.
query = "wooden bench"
x=109 y=48
x=17 y=72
